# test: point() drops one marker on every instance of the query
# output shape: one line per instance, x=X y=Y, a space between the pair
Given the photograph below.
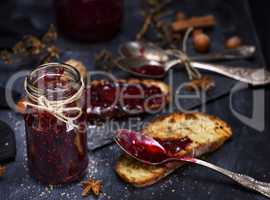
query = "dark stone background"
x=247 y=152
x=260 y=15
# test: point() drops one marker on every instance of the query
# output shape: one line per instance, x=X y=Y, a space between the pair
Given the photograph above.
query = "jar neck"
x=54 y=81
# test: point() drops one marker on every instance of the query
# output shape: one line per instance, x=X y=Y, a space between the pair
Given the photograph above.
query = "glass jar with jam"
x=55 y=124
x=89 y=20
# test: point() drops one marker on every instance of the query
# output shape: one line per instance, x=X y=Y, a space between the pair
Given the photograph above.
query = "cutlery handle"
x=242 y=52
x=254 y=77
x=246 y=181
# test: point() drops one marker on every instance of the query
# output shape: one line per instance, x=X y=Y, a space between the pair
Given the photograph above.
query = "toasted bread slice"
x=118 y=110
x=207 y=133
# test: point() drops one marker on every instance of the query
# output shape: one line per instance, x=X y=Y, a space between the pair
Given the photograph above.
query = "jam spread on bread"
x=115 y=100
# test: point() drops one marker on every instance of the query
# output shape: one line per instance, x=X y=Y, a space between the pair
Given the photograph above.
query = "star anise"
x=91 y=186
x=2 y=170
x=204 y=83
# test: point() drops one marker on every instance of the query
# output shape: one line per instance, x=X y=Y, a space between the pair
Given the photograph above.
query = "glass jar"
x=89 y=20
x=55 y=124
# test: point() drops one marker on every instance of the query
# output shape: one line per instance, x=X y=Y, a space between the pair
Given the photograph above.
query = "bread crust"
x=142 y=175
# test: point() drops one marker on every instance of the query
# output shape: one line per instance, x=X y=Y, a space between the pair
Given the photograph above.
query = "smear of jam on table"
x=150 y=70
x=56 y=155
x=108 y=100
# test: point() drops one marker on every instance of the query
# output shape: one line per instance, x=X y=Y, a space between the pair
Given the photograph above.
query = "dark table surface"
x=247 y=152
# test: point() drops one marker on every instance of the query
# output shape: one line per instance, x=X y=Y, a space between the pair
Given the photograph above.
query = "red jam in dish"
x=108 y=100
x=56 y=154
x=89 y=20
x=150 y=70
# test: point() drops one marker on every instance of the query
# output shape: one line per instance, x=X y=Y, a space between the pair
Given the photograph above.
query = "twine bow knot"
x=59 y=108
x=184 y=58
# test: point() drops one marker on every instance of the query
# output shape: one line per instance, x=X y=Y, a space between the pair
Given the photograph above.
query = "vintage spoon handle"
x=242 y=52
x=254 y=77
x=246 y=181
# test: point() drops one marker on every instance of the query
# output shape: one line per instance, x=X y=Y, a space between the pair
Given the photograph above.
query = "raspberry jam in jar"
x=55 y=124
x=89 y=20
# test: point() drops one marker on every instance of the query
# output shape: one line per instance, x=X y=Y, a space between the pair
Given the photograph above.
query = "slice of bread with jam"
x=205 y=134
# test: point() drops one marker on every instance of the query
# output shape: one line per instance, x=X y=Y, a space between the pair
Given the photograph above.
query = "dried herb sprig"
x=34 y=46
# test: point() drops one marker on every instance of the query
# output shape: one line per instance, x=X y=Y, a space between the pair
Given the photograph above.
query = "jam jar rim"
x=35 y=91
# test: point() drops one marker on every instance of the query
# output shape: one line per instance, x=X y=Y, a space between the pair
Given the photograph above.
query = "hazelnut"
x=201 y=41
x=233 y=42
x=197 y=32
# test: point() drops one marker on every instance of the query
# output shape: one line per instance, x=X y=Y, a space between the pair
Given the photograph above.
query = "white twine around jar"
x=58 y=107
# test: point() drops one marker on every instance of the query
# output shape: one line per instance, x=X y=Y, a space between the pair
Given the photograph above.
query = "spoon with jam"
x=149 y=151
x=146 y=68
x=151 y=51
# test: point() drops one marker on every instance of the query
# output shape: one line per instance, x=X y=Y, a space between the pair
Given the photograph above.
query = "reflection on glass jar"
x=55 y=125
x=89 y=20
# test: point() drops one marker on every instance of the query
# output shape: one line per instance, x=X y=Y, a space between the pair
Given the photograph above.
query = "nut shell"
x=233 y=42
x=201 y=42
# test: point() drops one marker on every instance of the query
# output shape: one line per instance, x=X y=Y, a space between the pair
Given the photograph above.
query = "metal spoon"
x=152 y=52
x=147 y=150
x=254 y=77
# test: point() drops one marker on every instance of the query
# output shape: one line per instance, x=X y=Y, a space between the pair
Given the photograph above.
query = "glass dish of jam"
x=56 y=148
x=89 y=20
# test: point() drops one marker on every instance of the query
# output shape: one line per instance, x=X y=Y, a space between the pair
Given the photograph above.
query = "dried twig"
x=105 y=60
x=148 y=18
x=196 y=22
